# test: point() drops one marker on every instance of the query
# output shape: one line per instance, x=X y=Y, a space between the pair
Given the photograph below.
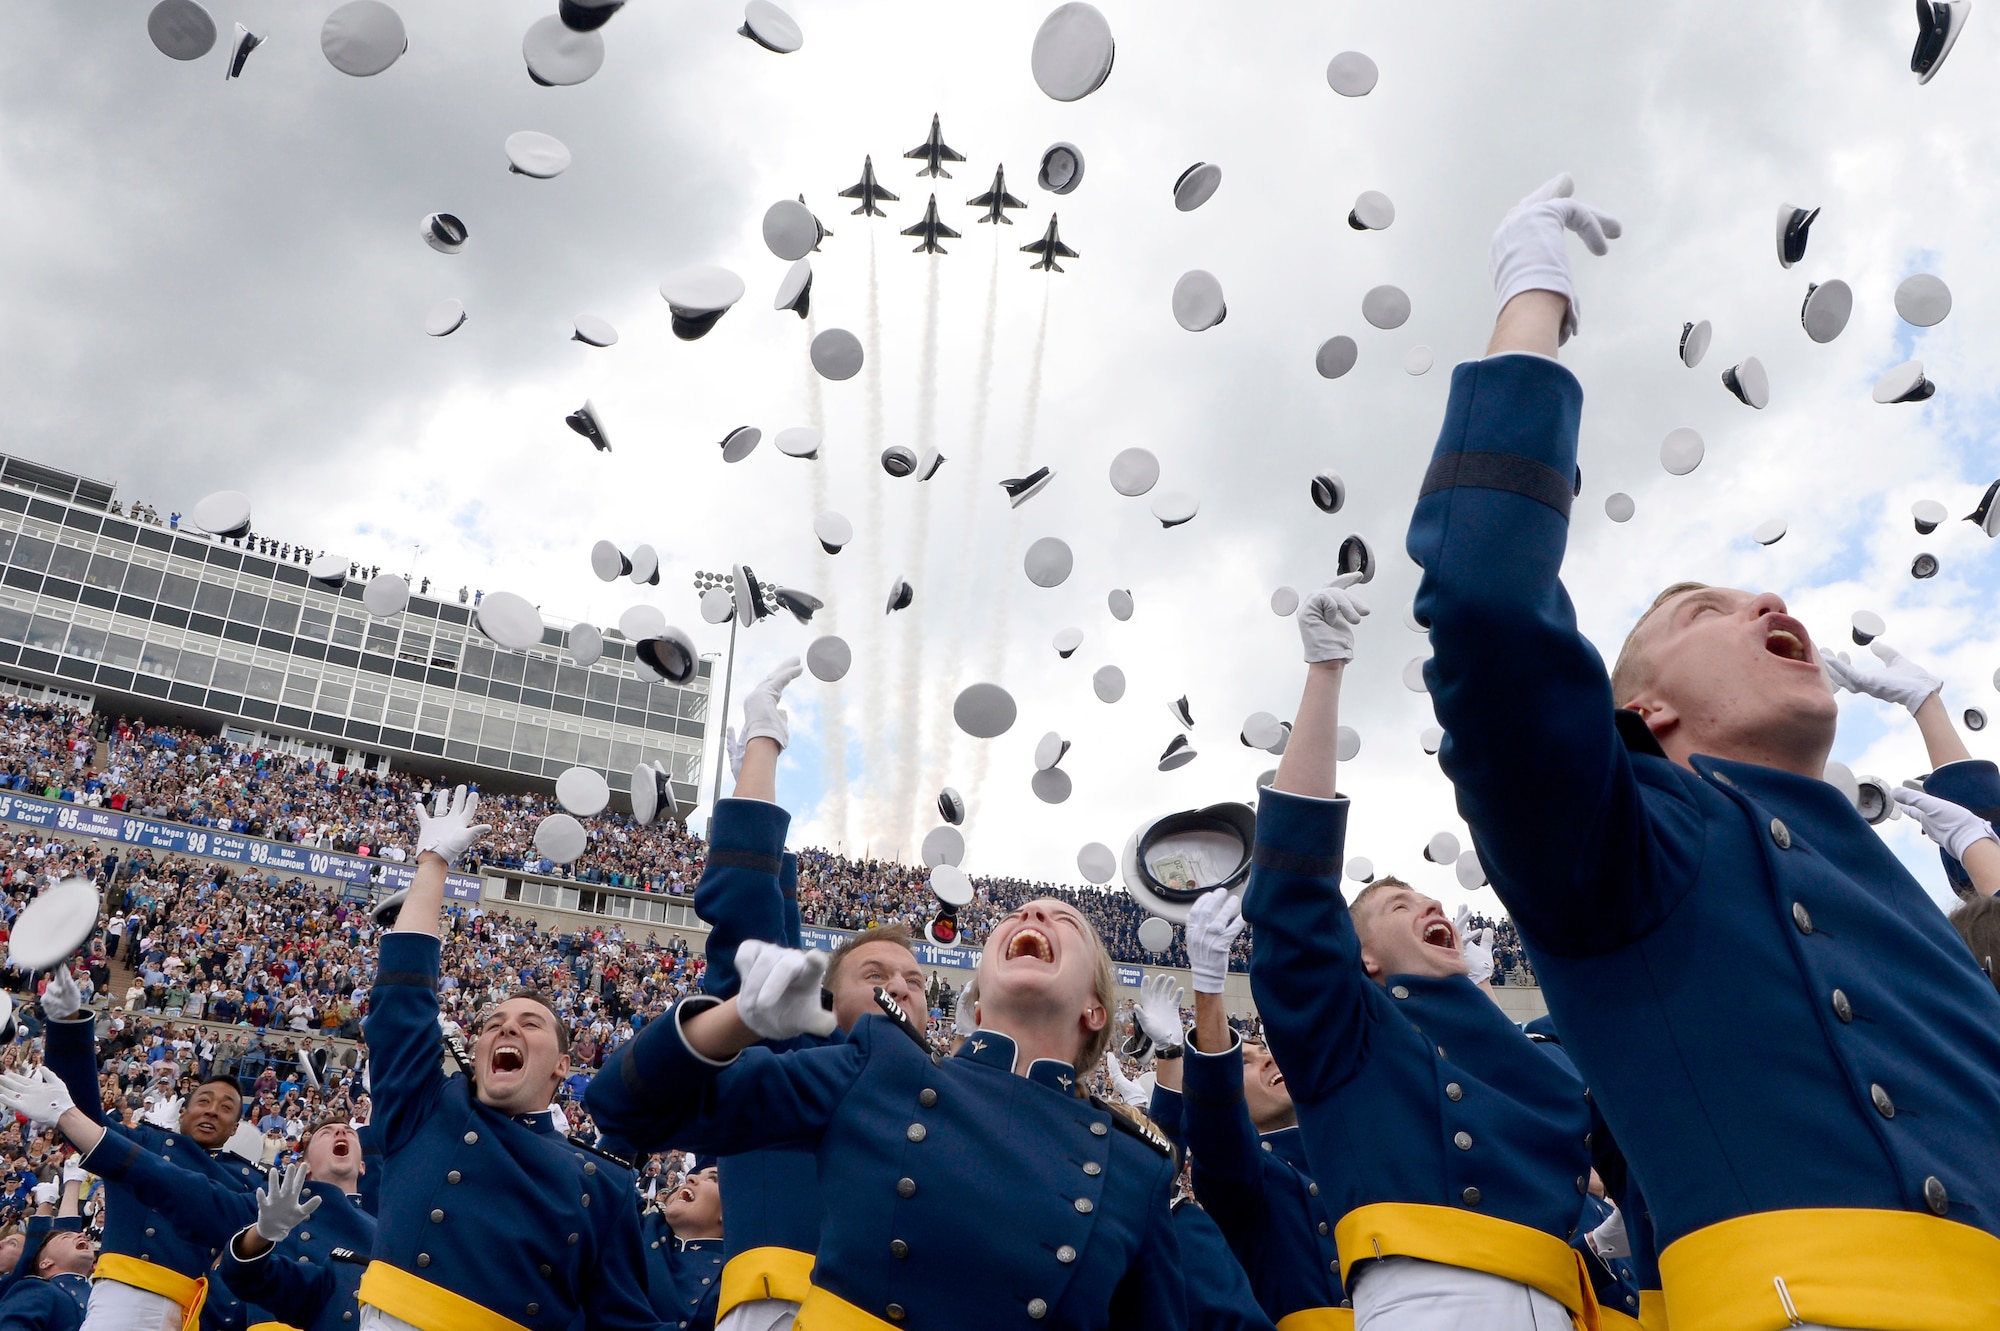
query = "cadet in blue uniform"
x=1074 y=1198
x=53 y=1265
x=684 y=1251
x=1449 y=1152
x=489 y=1219
x=148 y=1275
x=306 y=1269
x=1799 y=1057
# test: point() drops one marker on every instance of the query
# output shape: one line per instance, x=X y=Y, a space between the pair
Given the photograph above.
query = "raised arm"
x=741 y=893
x=70 y=1043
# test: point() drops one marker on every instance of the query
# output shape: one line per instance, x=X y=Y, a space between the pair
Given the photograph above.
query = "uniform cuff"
x=1214 y=1079
x=408 y=959
x=1973 y=783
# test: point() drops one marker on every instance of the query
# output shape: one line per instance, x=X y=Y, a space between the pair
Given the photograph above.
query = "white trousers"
x=1410 y=1294
x=374 y=1319
x=759 y=1315
x=116 y=1306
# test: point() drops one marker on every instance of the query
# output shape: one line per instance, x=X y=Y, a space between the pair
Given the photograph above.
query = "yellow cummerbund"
x=1477 y=1242
x=764 y=1273
x=187 y=1291
x=1608 y=1319
x=1318 y=1319
x=1653 y=1310
x=424 y=1305
x=1885 y=1270
x=822 y=1311
x=271 y=1326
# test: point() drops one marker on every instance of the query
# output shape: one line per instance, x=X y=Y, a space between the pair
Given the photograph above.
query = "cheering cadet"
x=683 y=1236
x=149 y=1275
x=908 y=1146
x=1449 y=1151
x=489 y=1219
x=1799 y=1057
x=50 y=1288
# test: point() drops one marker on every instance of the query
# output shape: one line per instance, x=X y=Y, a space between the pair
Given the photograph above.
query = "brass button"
x=1802 y=917
x=586 y=1199
x=1092 y=1168
x=1440 y=1050
x=1098 y=1129
x=423 y=1259
x=1334 y=1266
x=898 y=1248
x=1462 y=1140
x=895 y=1311
x=1470 y=1196
x=1322 y=1227
x=1883 y=1104
x=927 y=1097
x=1084 y=1206
x=347 y=1317
x=1841 y=1007
x=906 y=1187
x=305 y=1238
x=572 y=1240
x=1265 y=1145
x=1935 y=1196
x=452 y=1177
x=1065 y=1254
x=1038 y=1309
x=1582 y=1184
x=437 y=1217
x=1781 y=834
x=1398 y=991
x=705 y=1280
x=1312 y=1189
x=534 y=1308
x=656 y=1243
x=1453 y=1091
x=472 y=1139
x=917 y=1132
x=589 y=1168
x=547 y=1270
x=149 y=1231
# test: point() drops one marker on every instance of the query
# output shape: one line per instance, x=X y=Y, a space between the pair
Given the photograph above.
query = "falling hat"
x=653 y=794
x=718 y=606
x=645 y=565
x=1120 y=604
x=1694 y=342
x=1386 y=307
x=1841 y=777
x=771 y=27
x=1418 y=360
x=55 y=925
x=593 y=331
x=1355 y=557
x=1905 y=383
x=608 y=562
x=363 y=37
x=1174 y=507
x=385 y=596
x=1372 y=211
x=181 y=29
x=1618 y=506
x=795 y=292
x=943 y=845
x=1285 y=602
x=245 y=42
x=750 y=605
x=1873 y=801
x=801 y=605
x=1336 y=356
x=1974 y=718
x=444 y=233
x=1048 y=562
x=1769 y=532
x=1023 y=488
x=1352 y=74
x=1432 y=739
x=1163 y=853
x=1155 y=934
x=1050 y=751
x=642 y=621
x=984 y=711
x=1196 y=186
x=1061 y=170
x=900 y=596
x=1108 y=683
x=586 y=645
x=951 y=806
x=1413 y=675
x=1067 y=641
x=1928 y=515
x=329 y=569
x=1198 y=303
x=672 y=654
x=1097 y=863
x=510 y=620
x=1924 y=566
x=536 y=155
x=698 y=296
x=833 y=531
x=1179 y=754
x=789 y=230
x=740 y=443
x=799 y=441
x=586 y=422
x=560 y=838
x=587 y=15
x=898 y=460
x=1180 y=711
x=445 y=318
x=225 y=513
x=1134 y=471
x=949 y=884
x=1681 y=451
x=1471 y=873
x=385 y=913
x=829 y=658
x=1051 y=786
x=1329 y=492
x=1827 y=306
x=1793 y=226
x=836 y=354
x=557 y=56
x=1987 y=515
x=1923 y=300
x=1073 y=52
x=928 y=464
x=1346 y=740
x=1749 y=383
x=1442 y=849
x=1938 y=25
x=1260 y=731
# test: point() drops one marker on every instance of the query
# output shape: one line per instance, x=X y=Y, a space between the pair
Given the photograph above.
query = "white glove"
x=47 y=1194
x=1529 y=253
x=1608 y=1240
x=1213 y=923
x=74 y=1172
x=964 y=1015
x=1475 y=946
x=1327 y=619
x=1953 y=826
x=166 y=1113
x=279 y=1209
x=1899 y=679
x=779 y=993
x=1159 y=1010
x=38 y=1096
x=62 y=1000
x=762 y=717
x=734 y=745
x=448 y=830
x=1131 y=1092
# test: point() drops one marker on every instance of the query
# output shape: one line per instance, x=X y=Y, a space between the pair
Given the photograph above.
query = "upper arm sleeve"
x=1167 y=1112
x=1972 y=784
x=1228 y=1163
x=1153 y=1293
x=202 y=1208
x=70 y=1050
x=616 y=1299
x=404 y=1046
x=788 y=887
x=739 y=893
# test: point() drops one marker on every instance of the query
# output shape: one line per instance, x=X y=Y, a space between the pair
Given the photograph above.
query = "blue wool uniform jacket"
x=469 y=1193
x=1769 y=1010
x=1219 y=1296
x=683 y=1279
x=1257 y=1189
x=301 y=1280
x=35 y=1304
x=131 y=1225
x=1072 y=1211
x=1418 y=1090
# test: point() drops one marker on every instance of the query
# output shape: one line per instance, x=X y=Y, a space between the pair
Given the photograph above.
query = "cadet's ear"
x=1660 y=716
x=1094 y=1018
x=1369 y=964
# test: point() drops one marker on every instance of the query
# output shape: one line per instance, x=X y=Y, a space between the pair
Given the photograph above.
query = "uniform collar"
x=1770 y=785
x=994 y=1049
x=1289 y=1146
x=694 y=1245
x=541 y=1122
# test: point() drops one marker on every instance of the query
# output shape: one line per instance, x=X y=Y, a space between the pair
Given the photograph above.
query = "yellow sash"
x=1318 y=1319
x=764 y=1273
x=1652 y=1310
x=1889 y=1270
x=821 y=1311
x=424 y=1305
x=271 y=1326
x=1477 y=1242
x=187 y=1291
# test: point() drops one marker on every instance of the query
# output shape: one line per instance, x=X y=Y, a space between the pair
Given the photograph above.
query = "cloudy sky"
x=216 y=284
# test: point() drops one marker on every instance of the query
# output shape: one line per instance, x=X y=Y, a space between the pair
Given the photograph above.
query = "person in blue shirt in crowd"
x=1449 y=1152
x=1797 y=1054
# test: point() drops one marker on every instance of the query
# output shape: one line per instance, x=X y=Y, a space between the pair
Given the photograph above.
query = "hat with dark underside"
x=1794 y=227
x=1073 y=52
x=698 y=296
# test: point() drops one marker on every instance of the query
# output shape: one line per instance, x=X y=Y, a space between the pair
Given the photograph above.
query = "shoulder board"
x=1132 y=1127
x=894 y=1012
x=1536 y=1037
x=585 y=1144
x=349 y=1255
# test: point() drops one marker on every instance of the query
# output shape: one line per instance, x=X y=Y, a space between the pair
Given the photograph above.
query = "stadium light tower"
x=704 y=582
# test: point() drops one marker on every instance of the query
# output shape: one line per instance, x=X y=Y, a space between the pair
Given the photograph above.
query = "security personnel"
x=145 y=1263
x=1799 y=1057
x=1449 y=1152
x=684 y=1251
x=490 y=1220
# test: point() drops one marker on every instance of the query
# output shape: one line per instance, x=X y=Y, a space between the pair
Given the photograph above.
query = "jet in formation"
x=1050 y=247
x=933 y=153
x=868 y=191
x=931 y=230
x=996 y=200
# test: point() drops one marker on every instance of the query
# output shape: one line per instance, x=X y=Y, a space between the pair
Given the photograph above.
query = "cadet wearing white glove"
x=779 y=997
x=1327 y=619
x=1476 y=946
x=1959 y=833
x=1902 y=681
x=754 y=765
x=279 y=1207
x=61 y=999
x=1530 y=252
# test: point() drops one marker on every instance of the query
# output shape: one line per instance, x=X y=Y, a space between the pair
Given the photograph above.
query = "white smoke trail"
x=871 y=650
x=910 y=690
x=832 y=705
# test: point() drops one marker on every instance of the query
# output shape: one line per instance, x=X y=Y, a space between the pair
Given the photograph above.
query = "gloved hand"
x=279 y=1209
x=1327 y=618
x=166 y=1113
x=1131 y=1092
x=965 y=1015
x=1476 y=947
x=37 y=1095
x=74 y=1172
x=1213 y=923
x=448 y=830
x=779 y=993
x=47 y=1194
x=1954 y=827
x=1608 y=1240
x=1897 y=679
x=762 y=717
x=1529 y=253
x=1159 y=1010
x=61 y=1000
x=734 y=745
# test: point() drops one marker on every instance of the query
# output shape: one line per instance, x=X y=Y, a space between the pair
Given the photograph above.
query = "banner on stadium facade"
x=930 y=954
x=208 y=843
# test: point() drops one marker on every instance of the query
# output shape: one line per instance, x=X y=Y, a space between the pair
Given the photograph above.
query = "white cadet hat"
x=1066 y=642
x=1020 y=489
x=1938 y=24
x=1049 y=751
x=1155 y=934
x=1905 y=383
x=1073 y=52
x=1179 y=753
x=942 y=845
x=829 y=658
x=1134 y=471
x=671 y=655
x=1260 y=731
x=1108 y=683
x=1166 y=859
x=984 y=711
x=363 y=37
x=444 y=318
x=1372 y=211
x=586 y=421
x=1051 y=785
x=1442 y=849
x=718 y=605
x=803 y=605
x=1928 y=514
x=385 y=596
x=593 y=331
x=1360 y=868
x=1196 y=186
x=510 y=620
x=833 y=531
x=789 y=230
x=1355 y=556
x=55 y=925
x=1471 y=873
x=587 y=15
x=653 y=794
x=1352 y=74
x=1048 y=562
x=1346 y=741
x=1285 y=602
x=642 y=621
x=1336 y=356
x=1413 y=675
x=1923 y=300
x=1695 y=338
x=901 y=593
x=225 y=513
x=240 y=48
x=560 y=838
x=536 y=155
x=836 y=354
x=608 y=562
x=1183 y=714
x=1865 y=627
x=1386 y=307
x=1748 y=382
x=899 y=460
x=1329 y=492
x=1769 y=532
x=645 y=568
x=795 y=291
x=1061 y=169
x=1974 y=718
x=771 y=27
x=1096 y=862
x=1198 y=303
x=1418 y=360
x=586 y=645
x=1826 y=309
x=951 y=806
x=1794 y=227
x=1924 y=566
x=749 y=591
x=1618 y=506
x=1987 y=515
x=1432 y=739
x=1174 y=507
x=557 y=56
x=1681 y=451
x=181 y=29
x=1120 y=604
x=740 y=443
x=799 y=441
x=330 y=569
x=444 y=233
x=928 y=464
x=698 y=296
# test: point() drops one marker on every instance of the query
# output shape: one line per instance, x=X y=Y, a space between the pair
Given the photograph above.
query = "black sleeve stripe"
x=1287 y=861
x=746 y=859
x=407 y=979
x=1500 y=471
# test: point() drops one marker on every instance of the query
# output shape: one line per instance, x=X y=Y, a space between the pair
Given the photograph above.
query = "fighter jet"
x=1051 y=248
x=868 y=192
x=933 y=152
x=932 y=230
x=996 y=199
